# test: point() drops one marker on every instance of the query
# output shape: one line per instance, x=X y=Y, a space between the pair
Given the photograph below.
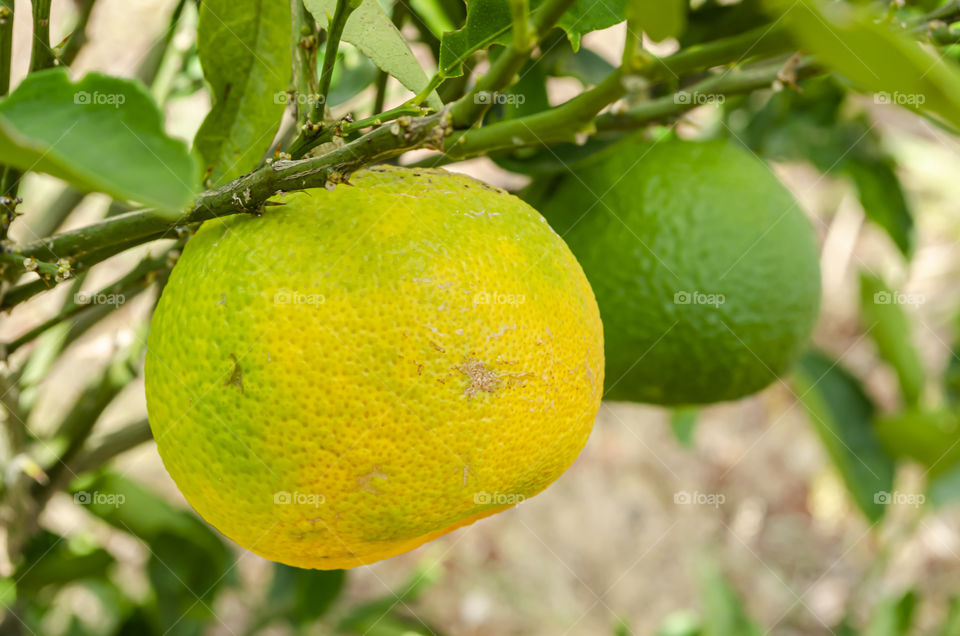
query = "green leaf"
x=8 y=591
x=371 y=30
x=304 y=595
x=660 y=19
x=843 y=417
x=683 y=421
x=883 y=199
x=590 y=15
x=584 y=65
x=188 y=561
x=244 y=48
x=945 y=488
x=880 y=58
x=723 y=609
x=813 y=125
x=889 y=328
x=376 y=618
x=352 y=73
x=930 y=437
x=892 y=617
x=951 y=626
x=489 y=22
x=101 y=134
x=50 y=559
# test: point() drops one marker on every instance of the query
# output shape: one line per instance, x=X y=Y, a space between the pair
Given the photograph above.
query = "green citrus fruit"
x=363 y=370
x=704 y=267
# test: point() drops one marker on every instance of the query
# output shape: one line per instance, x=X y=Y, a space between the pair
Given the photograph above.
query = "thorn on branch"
x=787 y=75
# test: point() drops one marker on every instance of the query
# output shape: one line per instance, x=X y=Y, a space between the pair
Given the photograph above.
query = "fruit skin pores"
x=704 y=267
x=362 y=370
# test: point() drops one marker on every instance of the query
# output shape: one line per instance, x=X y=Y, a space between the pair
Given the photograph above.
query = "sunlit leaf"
x=371 y=30
x=102 y=134
x=244 y=48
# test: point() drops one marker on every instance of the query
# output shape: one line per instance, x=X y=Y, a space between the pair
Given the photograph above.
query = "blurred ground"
x=609 y=539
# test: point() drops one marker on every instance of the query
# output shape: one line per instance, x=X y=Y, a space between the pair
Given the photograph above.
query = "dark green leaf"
x=856 y=43
x=188 y=561
x=882 y=198
x=489 y=22
x=590 y=15
x=379 y=618
x=371 y=30
x=660 y=19
x=583 y=65
x=843 y=416
x=813 y=125
x=352 y=73
x=304 y=595
x=102 y=133
x=50 y=559
x=883 y=316
x=185 y=579
x=244 y=48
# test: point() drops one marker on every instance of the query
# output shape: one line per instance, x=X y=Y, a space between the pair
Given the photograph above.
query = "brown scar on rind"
x=236 y=376
x=481 y=378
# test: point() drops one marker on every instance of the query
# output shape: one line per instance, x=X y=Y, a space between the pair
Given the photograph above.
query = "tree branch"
x=470 y=108
x=41 y=56
x=304 y=44
x=102 y=450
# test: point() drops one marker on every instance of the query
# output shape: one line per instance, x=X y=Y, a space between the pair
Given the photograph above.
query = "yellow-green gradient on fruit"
x=704 y=267
x=362 y=370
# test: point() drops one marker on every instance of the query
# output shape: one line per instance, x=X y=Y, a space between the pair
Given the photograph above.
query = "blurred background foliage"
x=833 y=495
